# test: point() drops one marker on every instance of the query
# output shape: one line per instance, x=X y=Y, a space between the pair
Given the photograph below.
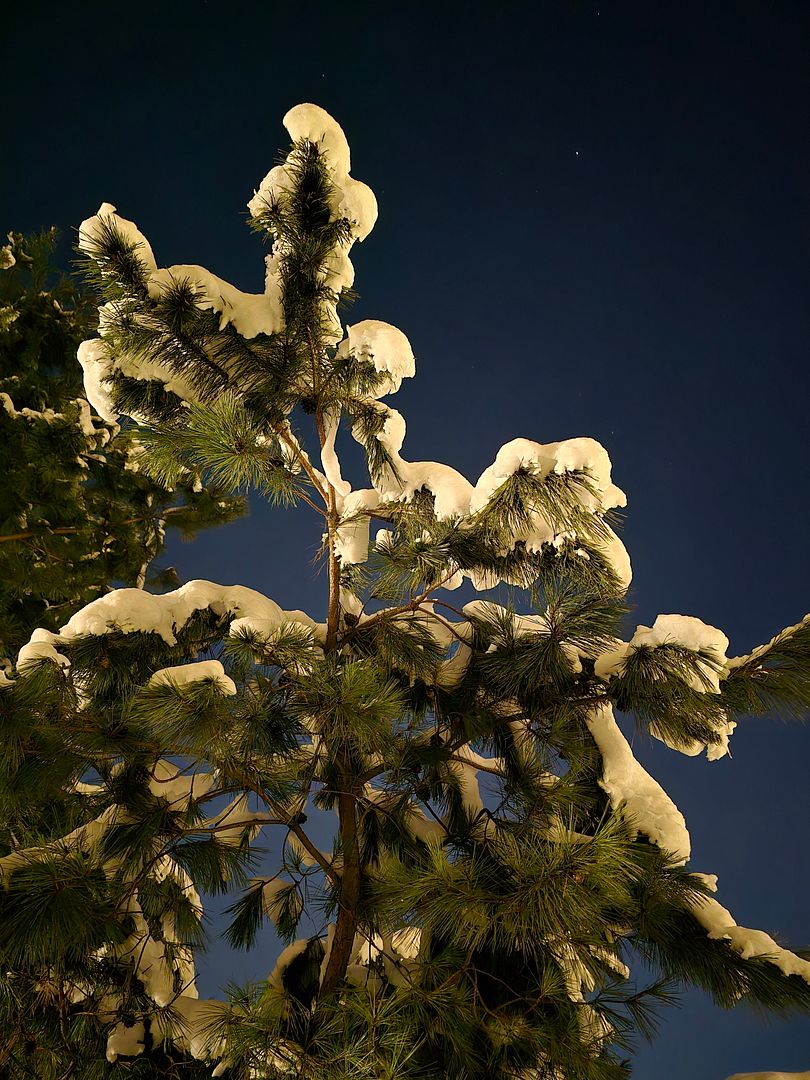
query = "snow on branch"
x=584 y=466
x=771 y=1076
x=680 y=648
x=385 y=347
x=538 y=459
x=720 y=925
x=707 y=643
x=250 y=313
x=774 y=676
x=629 y=786
x=137 y=611
x=401 y=480
x=182 y=675
x=94 y=232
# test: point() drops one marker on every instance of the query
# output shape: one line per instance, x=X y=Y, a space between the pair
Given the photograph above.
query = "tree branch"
x=346 y=926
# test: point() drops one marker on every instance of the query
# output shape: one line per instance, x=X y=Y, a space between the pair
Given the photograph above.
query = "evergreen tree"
x=500 y=857
x=77 y=514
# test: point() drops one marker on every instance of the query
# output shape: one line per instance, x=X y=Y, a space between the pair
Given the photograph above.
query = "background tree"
x=77 y=515
x=500 y=856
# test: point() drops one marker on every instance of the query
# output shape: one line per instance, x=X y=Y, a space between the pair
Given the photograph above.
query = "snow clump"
x=383 y=345
x=750 y=944
x=647 y=806
x=709 y=646
x=137 y=611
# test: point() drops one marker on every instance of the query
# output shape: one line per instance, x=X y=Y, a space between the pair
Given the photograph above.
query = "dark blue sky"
x=593 y=221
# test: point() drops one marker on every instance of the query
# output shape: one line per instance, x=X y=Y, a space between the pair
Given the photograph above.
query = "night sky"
x=593 y=221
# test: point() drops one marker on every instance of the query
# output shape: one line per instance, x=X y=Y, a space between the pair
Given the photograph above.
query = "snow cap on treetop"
x=311 y=122
x=355 y=200
x=250 y=314
x=352 y=199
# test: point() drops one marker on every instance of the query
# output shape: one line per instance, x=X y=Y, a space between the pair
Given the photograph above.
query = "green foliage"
x=658 y=686
x=224 y=445
x=775 y=678
x=670 y=938
x=76 y=515
x=248 y=917
x=558 y=497
x=351 y=704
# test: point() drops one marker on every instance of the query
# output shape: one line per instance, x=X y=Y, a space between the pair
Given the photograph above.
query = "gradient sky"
x=593 y=221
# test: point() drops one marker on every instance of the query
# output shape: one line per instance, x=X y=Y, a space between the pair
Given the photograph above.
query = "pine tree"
x=76 y=512
x=500 y=857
